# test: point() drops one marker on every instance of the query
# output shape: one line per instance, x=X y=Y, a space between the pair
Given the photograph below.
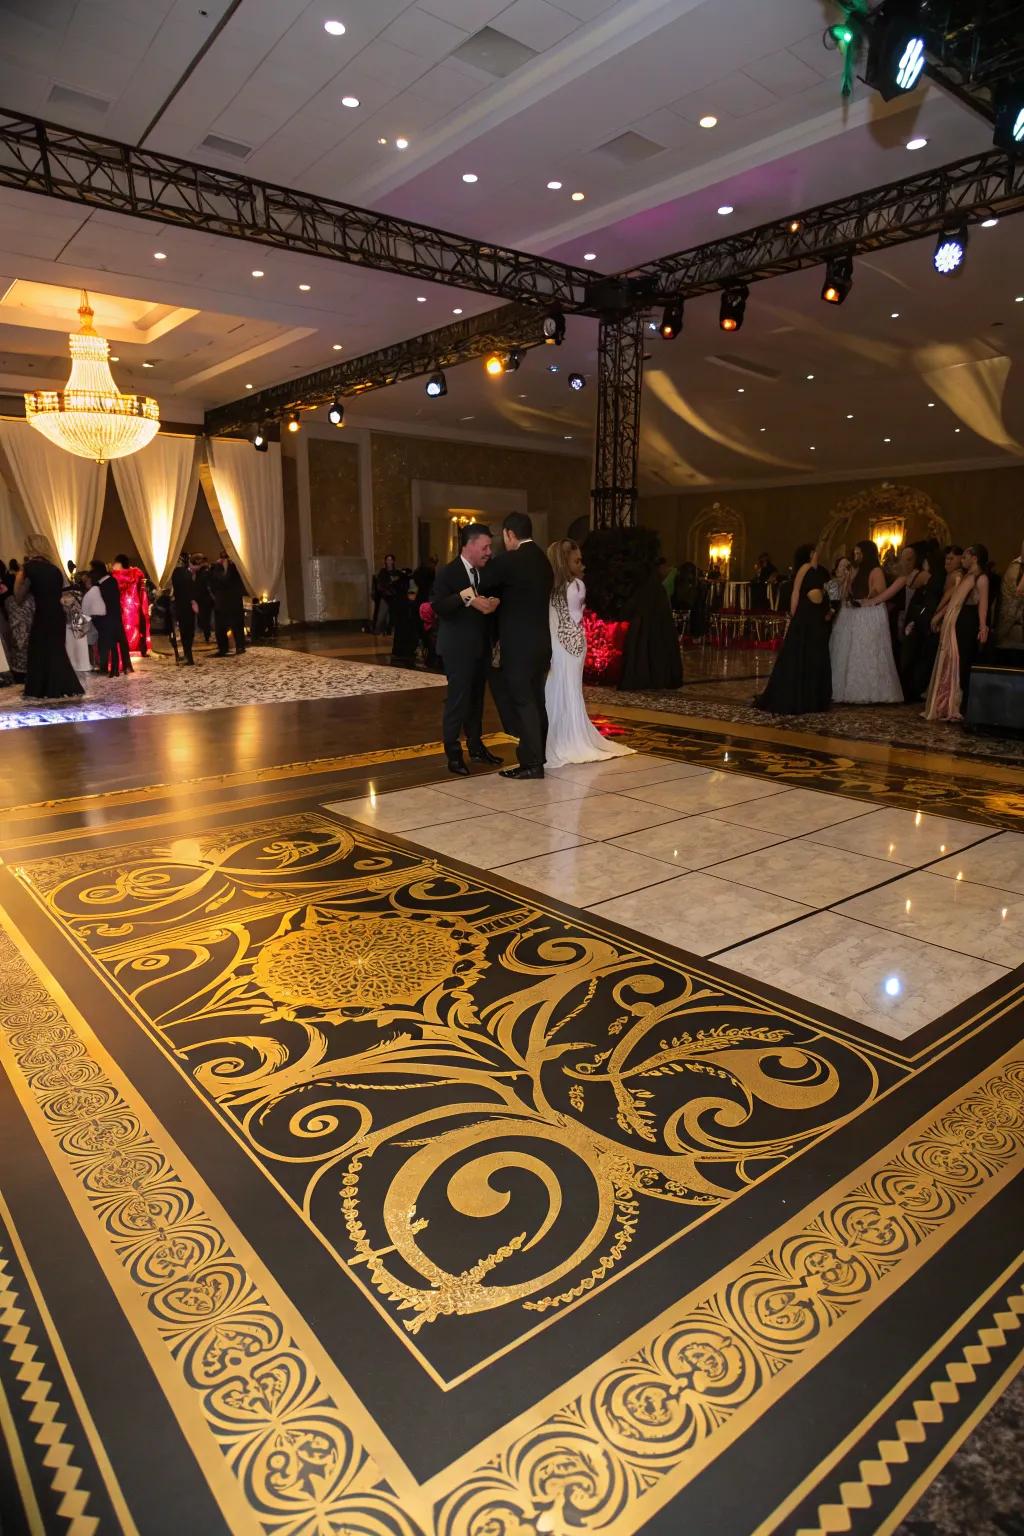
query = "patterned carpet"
x=261 y=676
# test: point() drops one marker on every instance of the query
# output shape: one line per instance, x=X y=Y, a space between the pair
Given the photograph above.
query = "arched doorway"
x=885 y=508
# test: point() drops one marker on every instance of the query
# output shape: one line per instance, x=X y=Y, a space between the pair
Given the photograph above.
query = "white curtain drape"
x=249 y=512
x=61 y=495
x=157 y=487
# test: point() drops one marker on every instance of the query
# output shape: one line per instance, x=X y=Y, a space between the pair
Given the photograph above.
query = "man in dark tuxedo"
x=464 y=645
x=114 y=656
x=186 y=605
x=522 y=577
x=228 y=592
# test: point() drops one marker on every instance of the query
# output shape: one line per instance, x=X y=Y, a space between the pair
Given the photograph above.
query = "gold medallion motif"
x=357 y=962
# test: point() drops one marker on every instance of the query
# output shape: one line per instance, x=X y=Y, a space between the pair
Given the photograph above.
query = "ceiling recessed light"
x=810 y=376
x=1019 y=299
x=567 y=438
x=956 y=429
x=382 y=141
x=813 y=449
x=590 y=256
x=895 y=315
x=335 y=28
x=886 y=439
x=741 y=390
x=989 y=223
x=469 y=178
x=303 y=287
x=726 y=208
x=578 y=197
x=554 y=186
x=401 y=143
x=248 y=386
x=762 y=429
x=931 y=405
x=916 y=143
x=350 y=101
x=467 y=418
x=148 y=365
x=257 y=272
x=159 y=255
x=456 y=311
x=113 y=359
x=709 y=121
x=849 y=415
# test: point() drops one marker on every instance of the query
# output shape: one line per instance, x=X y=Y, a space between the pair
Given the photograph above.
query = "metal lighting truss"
x=982 y=185
x=972 y=46
x=514 y=325
x=100 y=173
x=620 y=361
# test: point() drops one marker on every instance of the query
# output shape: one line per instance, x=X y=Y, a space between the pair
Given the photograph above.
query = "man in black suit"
x=114 y=654
x=228 y=592
x=464 y=645
x=186 y=605
x=522 y=577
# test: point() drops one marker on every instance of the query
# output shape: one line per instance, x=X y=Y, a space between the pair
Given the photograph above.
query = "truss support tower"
x=620 y=353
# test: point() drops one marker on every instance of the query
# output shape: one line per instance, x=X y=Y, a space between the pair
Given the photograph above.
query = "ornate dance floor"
x=414 y=1157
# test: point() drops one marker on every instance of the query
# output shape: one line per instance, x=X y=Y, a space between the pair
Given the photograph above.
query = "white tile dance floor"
x=890 y=917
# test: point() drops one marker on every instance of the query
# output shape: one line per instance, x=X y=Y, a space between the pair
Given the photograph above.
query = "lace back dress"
x=571 y=736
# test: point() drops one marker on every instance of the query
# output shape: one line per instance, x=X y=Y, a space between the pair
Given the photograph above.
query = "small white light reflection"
x=917 y=819
x=892 y=848
x=726 y=758
x=908 y=904
x=1005 y=911
x=942 y=847
x=373 y=798
x=959 y=874
x=893 y=986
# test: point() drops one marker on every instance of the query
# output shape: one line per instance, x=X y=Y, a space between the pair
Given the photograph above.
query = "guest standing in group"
x=920 y=643
x=424 y=577
x=572 y=738
x=863 y=666
x=186 y=606
x=228 y=593
x=94 y=610
x=386 y=590
x=522 y=578
x=962 y=621
x=1011 y=603
x=801 y=680
x=114 y=656
x=204 y=616
x=20 y=614
x=652 y=659
x=464 y=635
x=48 y=673
x=764 y=574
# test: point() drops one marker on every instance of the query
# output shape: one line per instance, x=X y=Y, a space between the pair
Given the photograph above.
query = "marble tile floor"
x=806 y=890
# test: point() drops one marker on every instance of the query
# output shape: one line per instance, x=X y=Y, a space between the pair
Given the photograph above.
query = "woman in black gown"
x=48 y=673
x=801 y=680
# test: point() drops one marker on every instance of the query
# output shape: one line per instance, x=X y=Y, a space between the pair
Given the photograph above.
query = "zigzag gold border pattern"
x=608 y=1458
x=857 y=1495
x=294 y=1464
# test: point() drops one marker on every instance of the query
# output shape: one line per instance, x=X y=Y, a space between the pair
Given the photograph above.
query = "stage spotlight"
x=495 y=365
x=294 y=421
x=896 y=49
x=554 y=328
x=336 y=414
x=950 y=251
x=671 y=320
x=795 y=226
x=513 y=360
x=733 y=307
x=436 y=385
x=260 y=440
x=1008 y=100
x=576 y=381
x=838 y=279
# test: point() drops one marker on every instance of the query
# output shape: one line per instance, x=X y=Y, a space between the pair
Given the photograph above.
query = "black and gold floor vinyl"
x=348 y=1191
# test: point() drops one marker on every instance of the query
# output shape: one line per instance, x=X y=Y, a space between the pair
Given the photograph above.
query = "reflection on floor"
x=821 y=883
x=415 y=1156
x=261 y=675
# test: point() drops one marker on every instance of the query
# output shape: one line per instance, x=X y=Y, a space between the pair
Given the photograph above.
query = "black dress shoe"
x=521 y=773
x=458 y=765
x=481 y=755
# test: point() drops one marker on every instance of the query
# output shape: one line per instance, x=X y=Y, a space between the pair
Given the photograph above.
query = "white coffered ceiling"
x=605 y=96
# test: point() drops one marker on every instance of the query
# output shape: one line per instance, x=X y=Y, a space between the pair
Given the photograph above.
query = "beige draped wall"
x=248 y=510
x=60 y=494
x=12 y=534
x=157 y=487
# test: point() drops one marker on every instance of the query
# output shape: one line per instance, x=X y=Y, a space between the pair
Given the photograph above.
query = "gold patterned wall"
x=335 y=521
x=554 y=483
x=979 y=505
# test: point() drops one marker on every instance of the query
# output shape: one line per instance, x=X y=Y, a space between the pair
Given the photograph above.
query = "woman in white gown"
x=863 y=665
x=571 y=737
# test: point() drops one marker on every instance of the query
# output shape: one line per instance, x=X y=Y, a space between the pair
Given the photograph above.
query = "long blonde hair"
x=558 y=554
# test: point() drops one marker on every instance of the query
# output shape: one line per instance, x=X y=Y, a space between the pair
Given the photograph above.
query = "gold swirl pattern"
x=480 y=1108
x=297 y=1463
x=611 y=1455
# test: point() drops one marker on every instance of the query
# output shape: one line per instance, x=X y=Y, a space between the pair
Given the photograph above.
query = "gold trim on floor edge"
x=302 y=768
x=814 y=1479
x=181 y=1271
x=65 y=1475
x=918 y=758
x=643 y=1420
x=26 y=1492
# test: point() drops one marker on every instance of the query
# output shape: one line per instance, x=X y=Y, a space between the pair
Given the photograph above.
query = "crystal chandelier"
x=89 y=416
